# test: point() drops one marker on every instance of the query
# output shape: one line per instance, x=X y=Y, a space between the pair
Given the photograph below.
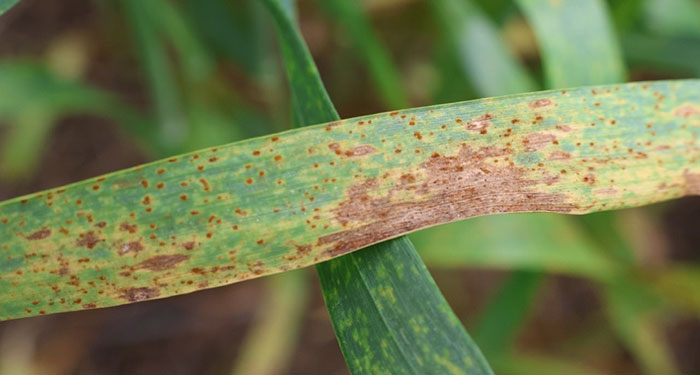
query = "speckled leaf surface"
x=387 y=313
x=289 y=200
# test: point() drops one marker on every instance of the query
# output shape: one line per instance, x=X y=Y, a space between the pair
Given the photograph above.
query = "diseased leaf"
x=297 y=198
x=393 y=319
x=400 y=312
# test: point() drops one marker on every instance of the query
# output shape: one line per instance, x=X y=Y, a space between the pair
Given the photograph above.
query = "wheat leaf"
x=289 y=200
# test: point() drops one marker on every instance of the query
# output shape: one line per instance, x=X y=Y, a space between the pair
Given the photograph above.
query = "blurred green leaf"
x=33 y=98
x=350 y=16
x=680 y=284
x=483 y=54
x=632 y=311
x=5 y=5
x=387 y=312
x=522 y=241
x=566 y=30
x=672 y=55
x=506 y=312
x=170 y=110
x=673 y=17
x=232 y=29
x=529 y=364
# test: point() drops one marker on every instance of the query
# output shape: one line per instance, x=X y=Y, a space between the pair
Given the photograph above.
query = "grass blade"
x=402 y=308
x=393 y=320
x=173 y=128
x=349 y=14
x=584 y=21
x=505 y=313
x=532 y=242
x=239 y=211
x=481 y=51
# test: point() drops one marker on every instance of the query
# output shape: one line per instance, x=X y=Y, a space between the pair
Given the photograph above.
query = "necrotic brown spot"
x=133 y=246
x=139 y=294
x=540 y=103
x=162 y=262
x=360 y=150
x=480 y=123
x=89 y=240
x=536 y=141
x=40 y=234
x=455 y=187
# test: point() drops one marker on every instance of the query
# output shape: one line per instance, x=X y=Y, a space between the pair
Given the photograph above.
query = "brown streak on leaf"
x=536 y=141
x=40 y=234
x=456 y=187
x=139 y=294
x=162 y=262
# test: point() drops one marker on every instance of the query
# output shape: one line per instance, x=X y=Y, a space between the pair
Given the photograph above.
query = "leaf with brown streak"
x=274 y=205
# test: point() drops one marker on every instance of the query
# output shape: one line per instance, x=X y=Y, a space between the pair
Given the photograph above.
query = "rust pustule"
x=126 y=227
x=162 y=262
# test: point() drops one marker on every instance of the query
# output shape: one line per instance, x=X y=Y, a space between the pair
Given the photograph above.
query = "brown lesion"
x=139 y=294
x=89 y=239
x=450 y=188
x=162 y=262
x=40 y=234
x=539 y=103
x=479 y=123
x=537 y=141
x=129 y=247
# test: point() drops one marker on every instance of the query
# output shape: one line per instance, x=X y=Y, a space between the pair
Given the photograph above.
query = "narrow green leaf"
x=484 y=56
x=407 y=310
x=393 y=319
x=586 y=23
x=531 y=242
x=244 y=210
x=632 y=311
x=505 y=313
x=349 y=14
x=173 y=128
